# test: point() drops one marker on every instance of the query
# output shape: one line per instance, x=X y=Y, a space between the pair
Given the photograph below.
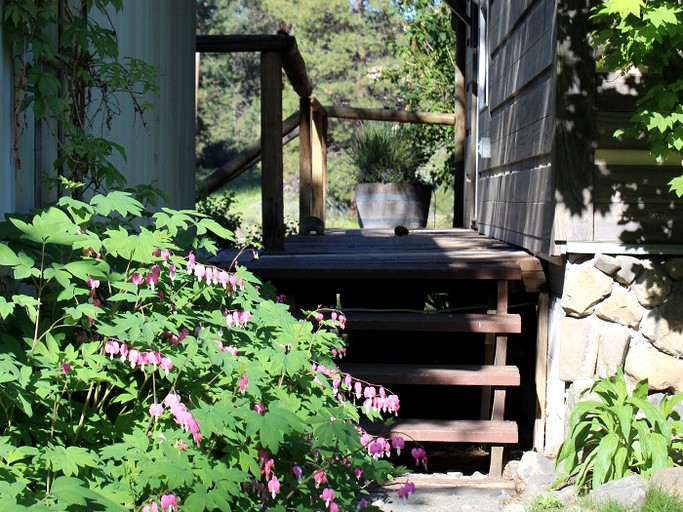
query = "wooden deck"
x=382 y=281
x=379 y=254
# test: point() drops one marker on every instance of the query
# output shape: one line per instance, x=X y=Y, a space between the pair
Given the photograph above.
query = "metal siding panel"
x=162 y=34
x=7 y=192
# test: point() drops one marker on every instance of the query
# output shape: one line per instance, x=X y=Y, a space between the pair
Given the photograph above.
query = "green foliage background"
x=647 y=35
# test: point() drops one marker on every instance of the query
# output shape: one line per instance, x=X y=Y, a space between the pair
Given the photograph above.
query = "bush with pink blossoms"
x=134 y=375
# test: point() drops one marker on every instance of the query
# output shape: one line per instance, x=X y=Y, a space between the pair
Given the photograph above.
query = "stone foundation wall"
x=622 y=311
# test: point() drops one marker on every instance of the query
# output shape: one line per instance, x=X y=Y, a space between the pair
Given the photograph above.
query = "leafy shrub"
x=382 y=154
x=135 y=377
x=217 y=207
x=620 y=433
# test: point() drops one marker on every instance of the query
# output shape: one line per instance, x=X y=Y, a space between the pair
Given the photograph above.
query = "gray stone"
x=628 y=492
x=510 y=470
x=607 y=264
x=538 y=485
x=674 y=267
x=652 y=287
x=584 y=287
x=621 y=307
x=669 y=481
x=662 y=371
x=579 y=343
x=533 y=463
x=629 y=269
x=566 y=495
x=663 y=325
x=612 y=348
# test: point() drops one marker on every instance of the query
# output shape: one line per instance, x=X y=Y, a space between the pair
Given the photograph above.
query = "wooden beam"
x=398 y=116
x=248 y=157
x=305 y=161
x=272 y=195
x=295 y=68
x=242 y=43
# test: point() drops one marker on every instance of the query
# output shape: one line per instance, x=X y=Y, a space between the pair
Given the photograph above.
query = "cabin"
x=564 y=262
x=544 y=173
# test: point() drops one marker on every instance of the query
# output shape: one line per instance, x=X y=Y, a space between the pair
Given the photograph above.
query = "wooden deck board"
x=379 y=254
x=447 y=375
x=434 y=322
x=450 y=431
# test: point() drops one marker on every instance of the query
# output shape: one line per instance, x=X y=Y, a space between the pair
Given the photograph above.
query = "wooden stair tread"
x=434 y=322
x=450 y=375
x=449 y=431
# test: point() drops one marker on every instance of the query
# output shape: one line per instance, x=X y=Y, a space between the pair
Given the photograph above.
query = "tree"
x=425 y=74
x=344 y=44
x=647 y=35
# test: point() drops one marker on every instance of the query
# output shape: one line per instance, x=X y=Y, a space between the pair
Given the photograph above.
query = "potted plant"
x=389 y=191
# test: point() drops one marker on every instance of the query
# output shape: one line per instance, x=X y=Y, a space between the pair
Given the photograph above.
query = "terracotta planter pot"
x=386 y=205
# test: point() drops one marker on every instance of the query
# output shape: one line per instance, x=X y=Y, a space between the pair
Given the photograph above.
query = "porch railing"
x=279 y=52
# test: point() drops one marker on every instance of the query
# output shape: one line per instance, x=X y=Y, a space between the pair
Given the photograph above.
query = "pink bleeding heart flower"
x=319 y=478
x=327 y=496
x=156 y=410
x=169 y=503
x=273 y=486
x=398 y=443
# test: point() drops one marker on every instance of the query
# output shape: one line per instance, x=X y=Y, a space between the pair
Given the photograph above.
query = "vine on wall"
x=69 y=73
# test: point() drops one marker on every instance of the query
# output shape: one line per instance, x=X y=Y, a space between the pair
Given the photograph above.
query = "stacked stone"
x=622 y=311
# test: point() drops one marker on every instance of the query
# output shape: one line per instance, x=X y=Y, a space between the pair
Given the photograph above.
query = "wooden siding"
x=575 y=125
x=515 y=185
x=631 y=196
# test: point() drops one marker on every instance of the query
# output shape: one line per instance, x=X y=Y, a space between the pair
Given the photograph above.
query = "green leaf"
x=72 y=490
x=7 y=256
x=121 y=202
x=6 y=308
x=676 y=186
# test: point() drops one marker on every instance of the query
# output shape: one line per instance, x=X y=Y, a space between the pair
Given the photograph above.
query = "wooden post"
x=541 y=376
x=305 y=160
x=272 y=195
x=498 y=410
x=460 y=111
x=319 y=162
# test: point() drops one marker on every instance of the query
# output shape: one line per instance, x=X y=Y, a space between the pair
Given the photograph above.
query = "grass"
x=655 y=501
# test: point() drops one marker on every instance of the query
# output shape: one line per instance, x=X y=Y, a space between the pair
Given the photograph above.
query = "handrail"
x=248 y=157
x=396 y=116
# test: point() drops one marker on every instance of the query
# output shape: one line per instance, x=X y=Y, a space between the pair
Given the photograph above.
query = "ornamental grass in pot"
x=389 y=190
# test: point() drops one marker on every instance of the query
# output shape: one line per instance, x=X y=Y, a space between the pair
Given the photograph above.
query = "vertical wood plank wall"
x=515 y=189
x=161 y=32
x=631 y=197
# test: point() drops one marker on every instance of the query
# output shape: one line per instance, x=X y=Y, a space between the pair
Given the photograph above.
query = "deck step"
x=433 y=322
x=447 y=375
x=449 y=431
